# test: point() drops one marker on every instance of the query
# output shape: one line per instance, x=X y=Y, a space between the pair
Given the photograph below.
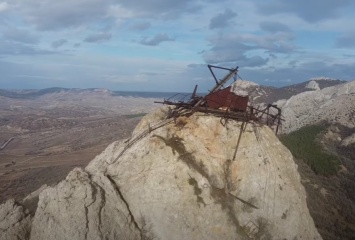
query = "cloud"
x=156 y=40
x=20 y=35
x=141 y=26
x=248 y=50
x=229 y=51
x=281 y=76
x=59 y=43
x=273 y=27
x=4 y=6
x=240 y=60
x=98 y=37
x=222 y=20
x=346 y=40
x=310 y=11
x=54 y=15
x=14 y=48
x=166 y=9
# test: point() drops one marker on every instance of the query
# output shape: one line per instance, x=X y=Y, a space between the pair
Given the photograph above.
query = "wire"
x=240 y=77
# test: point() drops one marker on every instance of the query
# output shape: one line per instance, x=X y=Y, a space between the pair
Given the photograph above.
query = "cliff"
x=178 y=180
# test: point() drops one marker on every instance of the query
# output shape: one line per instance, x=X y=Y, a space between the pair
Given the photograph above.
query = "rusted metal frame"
x=242 y=129
x=214 y=76
x=226 y=114
x=232 y=115
x=218 y=85
x=278 y=115
x=224 y=68
x=224 y=117
x=194 y=93
x=177 y=104
x=262 y=112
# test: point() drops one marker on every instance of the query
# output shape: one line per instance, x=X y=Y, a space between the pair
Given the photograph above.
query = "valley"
x=44 y=137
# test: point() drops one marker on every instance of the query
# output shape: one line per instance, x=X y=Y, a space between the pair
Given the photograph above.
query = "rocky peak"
x=181 y=179
x=312 y=85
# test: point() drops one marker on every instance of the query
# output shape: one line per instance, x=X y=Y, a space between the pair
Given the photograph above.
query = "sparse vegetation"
x=302 y=144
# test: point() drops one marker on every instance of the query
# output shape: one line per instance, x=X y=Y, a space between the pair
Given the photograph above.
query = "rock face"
x=243 y=88
x=182 y=180
x=332 y=104
x=313 y=85
x=15 y=222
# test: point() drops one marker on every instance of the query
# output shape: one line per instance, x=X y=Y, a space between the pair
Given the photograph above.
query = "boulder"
x=183 y=180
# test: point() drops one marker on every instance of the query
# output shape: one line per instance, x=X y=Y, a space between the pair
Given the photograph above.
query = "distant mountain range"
x=35 y=93
x=259 y=93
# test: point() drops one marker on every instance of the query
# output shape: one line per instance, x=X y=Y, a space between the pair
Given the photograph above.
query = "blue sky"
x=164 y=45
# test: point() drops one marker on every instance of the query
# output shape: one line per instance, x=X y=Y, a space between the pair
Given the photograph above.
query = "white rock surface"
x=332 y=104
x=180 y=182
x=242 y=87
x=79 y=208
x=15 y=222
x=313 y=85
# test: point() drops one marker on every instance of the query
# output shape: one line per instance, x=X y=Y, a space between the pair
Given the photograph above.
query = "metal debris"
x=224 y=103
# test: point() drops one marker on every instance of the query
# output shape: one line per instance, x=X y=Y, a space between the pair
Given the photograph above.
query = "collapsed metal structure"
x=227 y=104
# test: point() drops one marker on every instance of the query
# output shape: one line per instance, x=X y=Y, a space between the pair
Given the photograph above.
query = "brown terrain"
x=43 y=137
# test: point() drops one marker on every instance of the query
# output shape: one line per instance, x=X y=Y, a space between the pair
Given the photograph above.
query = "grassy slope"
x=302 y=144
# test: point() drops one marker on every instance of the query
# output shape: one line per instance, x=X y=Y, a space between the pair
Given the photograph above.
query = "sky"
x=165 y=45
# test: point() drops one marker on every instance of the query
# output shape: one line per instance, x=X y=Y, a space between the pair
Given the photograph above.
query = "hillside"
x=331 y=194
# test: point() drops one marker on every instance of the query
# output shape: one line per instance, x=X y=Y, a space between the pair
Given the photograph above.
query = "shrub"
x=303 y=145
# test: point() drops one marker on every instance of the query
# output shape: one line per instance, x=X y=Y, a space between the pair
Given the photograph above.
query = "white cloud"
x=4 y=6
x=48 y=15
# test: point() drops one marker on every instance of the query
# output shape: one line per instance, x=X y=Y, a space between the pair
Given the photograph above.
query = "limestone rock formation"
x=333 y=104
x=313 y=85
x=181 y=179
x=243 y=88
x=15 y=221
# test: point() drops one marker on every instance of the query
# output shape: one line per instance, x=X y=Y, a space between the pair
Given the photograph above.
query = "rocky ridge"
x=267 y=94
x=332 y=104
x=183 y=180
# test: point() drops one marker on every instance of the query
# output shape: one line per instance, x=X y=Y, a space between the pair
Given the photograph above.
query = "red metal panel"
x=226 y=99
